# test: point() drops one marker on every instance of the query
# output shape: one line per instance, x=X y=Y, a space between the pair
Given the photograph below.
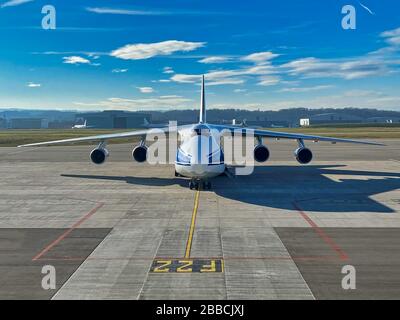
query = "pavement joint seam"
x=154 y=257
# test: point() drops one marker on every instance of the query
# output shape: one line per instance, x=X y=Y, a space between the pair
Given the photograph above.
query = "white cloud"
x=268 y=74
x=14 y=3
x=161 y=80
x=377 y=63
x=348 y=69
x=76 y=60
x=186 y=78
x=354 y=98
x=132 y=12
x=225 y=81
x=306 y=89
x=236 y=76
x=162 y=102
x=260 y=57
x=392 y=37
x=119 y=70
x=269 y=81
x=240 y=90
x=259 y=70
x=366 y=8
x=146 y=89
x=93 y=56
x=224 y=77
x=168 y=70
x=213 y=78
x=171 y=96
x=210 y=60
x=382 y=62
x=262 y=71
x=148 y=50
x=33 y=85
x=124 y=11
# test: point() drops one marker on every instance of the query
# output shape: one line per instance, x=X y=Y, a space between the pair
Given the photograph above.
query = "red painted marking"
x=66 y=233
x=342 y=255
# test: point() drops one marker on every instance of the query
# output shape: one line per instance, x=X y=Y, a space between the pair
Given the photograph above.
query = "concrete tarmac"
x=125 y=230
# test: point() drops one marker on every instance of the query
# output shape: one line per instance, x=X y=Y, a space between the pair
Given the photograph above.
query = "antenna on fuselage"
x=202 y=118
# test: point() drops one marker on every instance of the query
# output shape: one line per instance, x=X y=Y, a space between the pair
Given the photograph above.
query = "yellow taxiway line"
x=192 y=224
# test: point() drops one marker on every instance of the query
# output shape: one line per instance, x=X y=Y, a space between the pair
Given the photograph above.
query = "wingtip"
x=26 y=145
x=377 y=144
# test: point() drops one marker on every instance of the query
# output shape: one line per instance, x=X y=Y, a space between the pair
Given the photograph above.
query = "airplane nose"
x=196 y=151
x=200 y=149
x=198 y=168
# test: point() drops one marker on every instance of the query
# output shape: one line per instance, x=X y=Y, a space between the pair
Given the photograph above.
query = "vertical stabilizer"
x=202 y=118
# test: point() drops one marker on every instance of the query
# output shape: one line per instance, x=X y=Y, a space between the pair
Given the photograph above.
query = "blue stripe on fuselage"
x=183 y=159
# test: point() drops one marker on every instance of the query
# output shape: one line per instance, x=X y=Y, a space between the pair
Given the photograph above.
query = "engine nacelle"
x=261 y=153
x=99 y=155
x=139 y=154
x=303 y=155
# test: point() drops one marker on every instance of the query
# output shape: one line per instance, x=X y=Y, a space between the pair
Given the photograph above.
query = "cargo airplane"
x=194 y=161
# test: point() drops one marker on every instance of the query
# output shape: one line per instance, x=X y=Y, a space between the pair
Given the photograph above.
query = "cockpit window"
x=201 y=130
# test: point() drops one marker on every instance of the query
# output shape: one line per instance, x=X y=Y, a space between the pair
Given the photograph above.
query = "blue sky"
x=142 y=55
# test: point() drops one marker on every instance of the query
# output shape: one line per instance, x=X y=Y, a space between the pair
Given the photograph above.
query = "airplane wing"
x=286 y=135
x=105 y=137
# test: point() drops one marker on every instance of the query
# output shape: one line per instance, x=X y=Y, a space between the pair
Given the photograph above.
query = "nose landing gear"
x=193 y=185
x=196 y=184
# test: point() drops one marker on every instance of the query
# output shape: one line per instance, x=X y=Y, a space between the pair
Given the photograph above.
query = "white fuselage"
x=200 y=155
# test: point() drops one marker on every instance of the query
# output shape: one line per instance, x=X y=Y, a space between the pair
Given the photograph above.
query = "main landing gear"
x=196 y=184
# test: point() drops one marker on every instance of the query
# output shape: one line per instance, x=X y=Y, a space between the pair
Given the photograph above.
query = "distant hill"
x=291 y=116
x=51 y=115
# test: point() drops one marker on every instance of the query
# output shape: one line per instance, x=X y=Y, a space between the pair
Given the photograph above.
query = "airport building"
x=28 y=123
x=115 y=119
x=61 y=124
x=3 y=123
x=305 y=122
x=330 y=118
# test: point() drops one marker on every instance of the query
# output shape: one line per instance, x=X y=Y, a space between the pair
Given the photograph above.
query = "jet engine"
x=303 y=155
x=261 y=153
x=99 y=155
x=139 y=153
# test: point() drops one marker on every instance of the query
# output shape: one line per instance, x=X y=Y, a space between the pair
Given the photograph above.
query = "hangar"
x=115 y=119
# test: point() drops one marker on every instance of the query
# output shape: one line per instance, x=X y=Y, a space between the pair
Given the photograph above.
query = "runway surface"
x=125 y=230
